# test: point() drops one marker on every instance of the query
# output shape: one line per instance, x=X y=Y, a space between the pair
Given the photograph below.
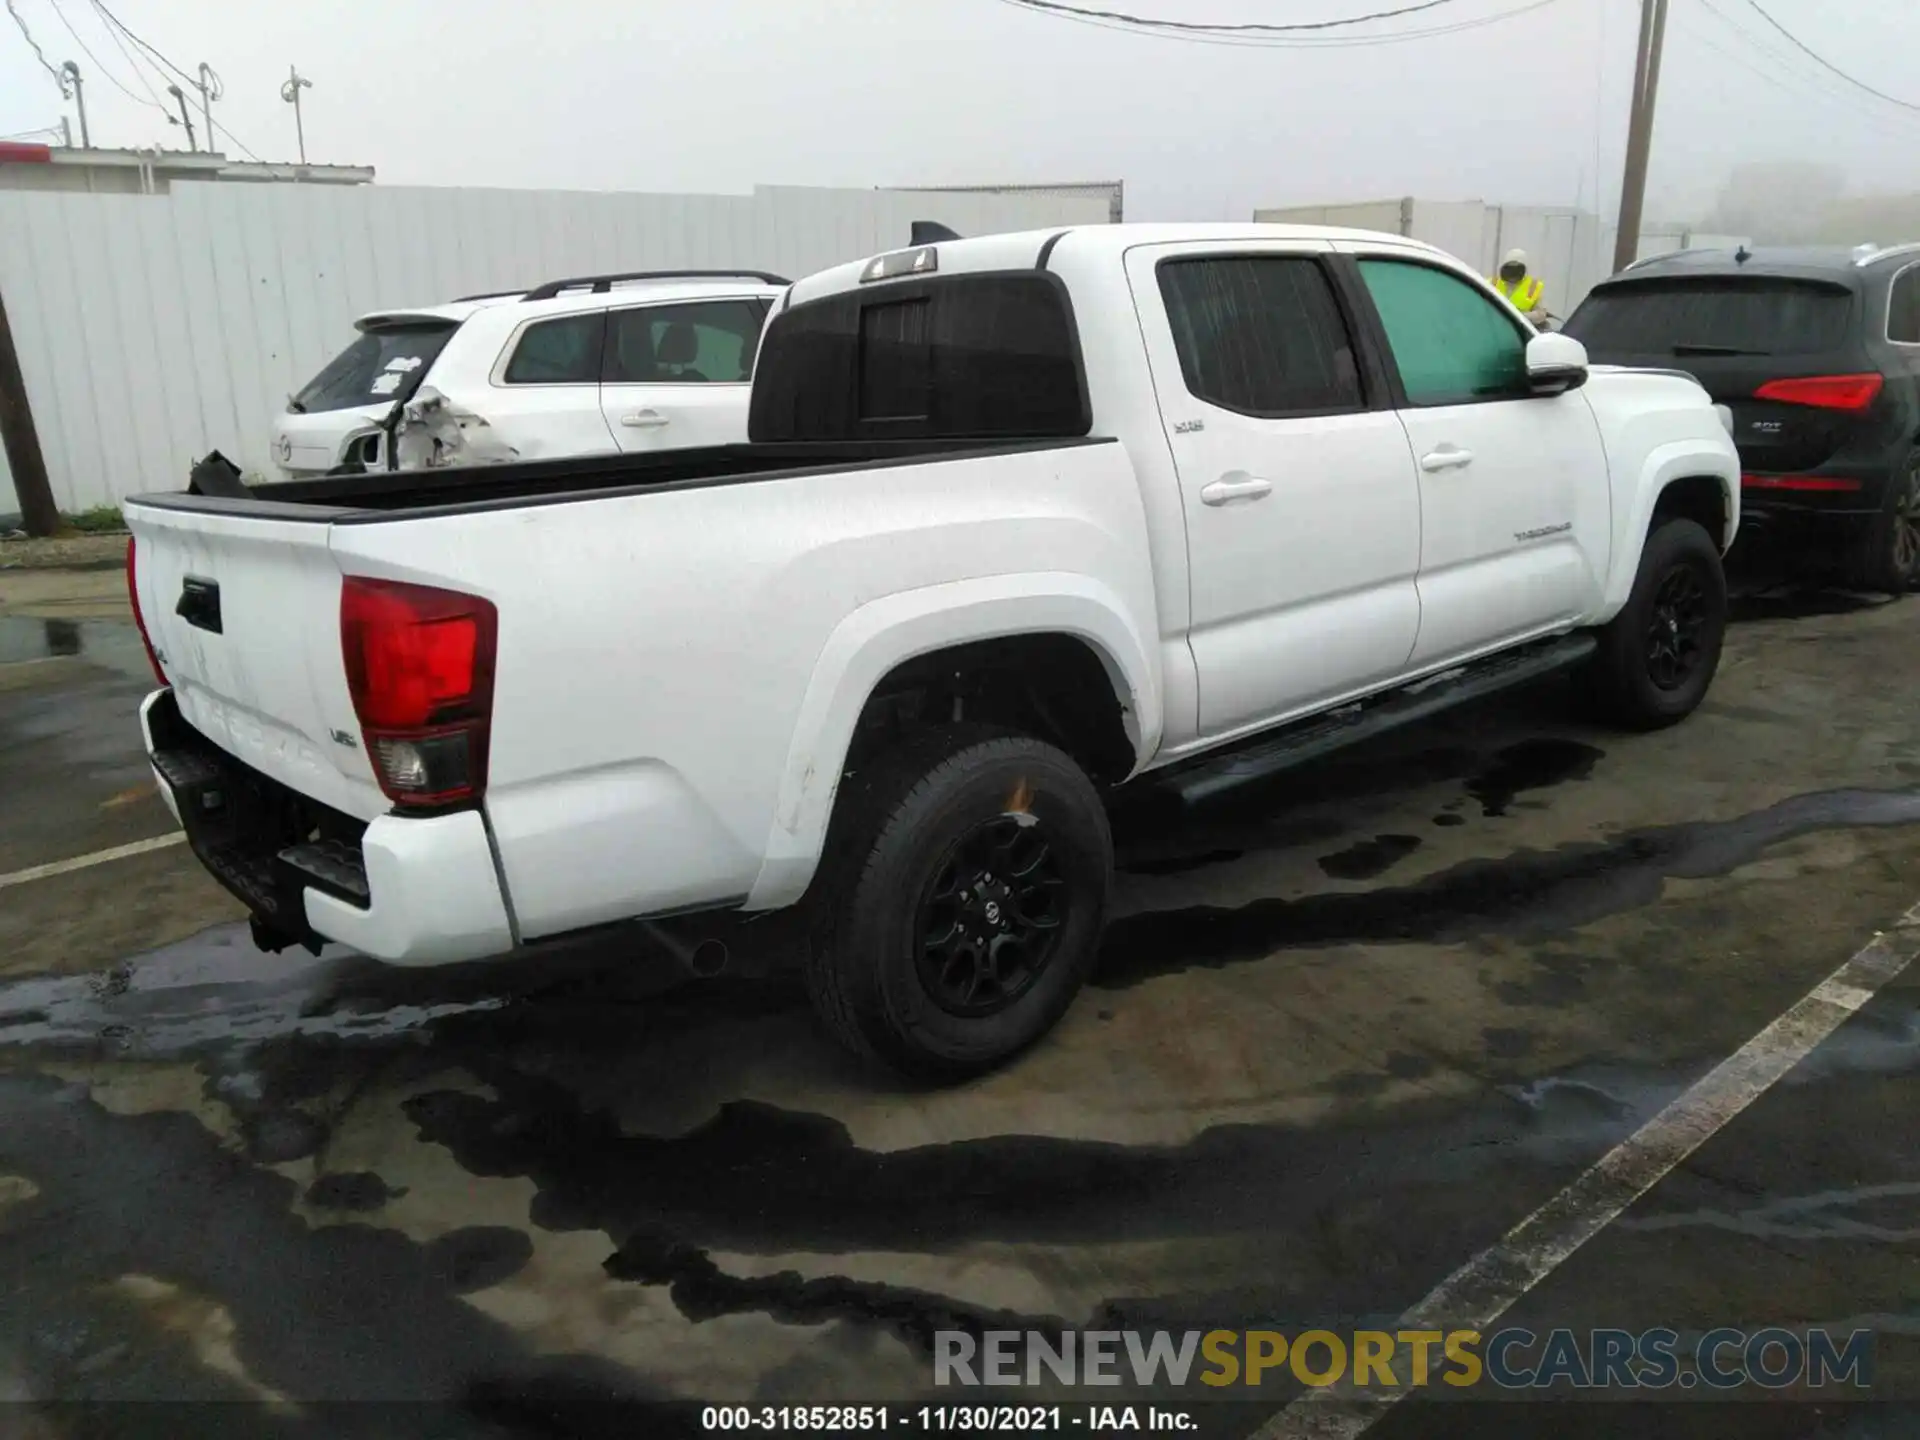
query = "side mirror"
x=1556 y=363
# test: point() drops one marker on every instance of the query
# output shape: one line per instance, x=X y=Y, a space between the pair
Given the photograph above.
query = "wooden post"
x=22 y=442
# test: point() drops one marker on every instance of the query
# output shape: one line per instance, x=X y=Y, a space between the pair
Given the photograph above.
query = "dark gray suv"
x=1817 y=353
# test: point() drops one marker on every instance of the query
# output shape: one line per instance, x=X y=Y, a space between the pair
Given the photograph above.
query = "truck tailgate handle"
x=200 y=604
x=643 y=420
x=1235 y=485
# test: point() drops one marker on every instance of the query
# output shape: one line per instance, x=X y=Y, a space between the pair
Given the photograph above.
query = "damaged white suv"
x=591 y=365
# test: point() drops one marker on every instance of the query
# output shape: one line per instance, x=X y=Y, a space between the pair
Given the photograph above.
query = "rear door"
x=244 y=611
x=1302 y=511
x=1739 y=335
x=544 y=395
x=676 y=375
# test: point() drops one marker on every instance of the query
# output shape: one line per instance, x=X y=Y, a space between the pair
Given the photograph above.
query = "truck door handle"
x=1235 y=485
x=1447 y=457
x=643 y=420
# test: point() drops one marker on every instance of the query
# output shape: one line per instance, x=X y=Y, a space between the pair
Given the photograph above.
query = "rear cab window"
x=377 y=366
x=1711 y=315
x=951 y=357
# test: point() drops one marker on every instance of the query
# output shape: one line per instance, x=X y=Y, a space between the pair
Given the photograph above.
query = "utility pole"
x=66 y=133
x=290 y=92
x=210 y=90
x=1646 y=87
x=186 y=118
x=21 y=442
x=71 y=89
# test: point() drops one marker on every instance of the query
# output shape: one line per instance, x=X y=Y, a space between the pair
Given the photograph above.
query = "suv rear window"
x=1713 y=314
x=374 y=367
x=963 y=356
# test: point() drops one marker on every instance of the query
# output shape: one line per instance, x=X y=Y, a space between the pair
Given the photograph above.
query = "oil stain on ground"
x=1533 y=764
x=1369 y=858
x=1529 y=893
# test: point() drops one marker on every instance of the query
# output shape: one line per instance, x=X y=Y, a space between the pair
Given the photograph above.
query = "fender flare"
x=1678 y=460
x=878 y=636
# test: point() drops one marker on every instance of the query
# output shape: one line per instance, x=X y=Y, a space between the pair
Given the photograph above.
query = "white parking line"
x=98 y=857
x=1484 y=1288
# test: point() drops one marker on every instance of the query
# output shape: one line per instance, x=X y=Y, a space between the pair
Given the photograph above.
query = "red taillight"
x=1826 y=392
x=420 y=669
x=139 y=620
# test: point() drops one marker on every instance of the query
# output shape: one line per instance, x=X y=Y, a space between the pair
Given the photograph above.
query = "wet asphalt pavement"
x=1347 y=1030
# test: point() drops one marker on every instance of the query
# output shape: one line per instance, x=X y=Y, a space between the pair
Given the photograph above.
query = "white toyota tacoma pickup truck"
x=1022 y=518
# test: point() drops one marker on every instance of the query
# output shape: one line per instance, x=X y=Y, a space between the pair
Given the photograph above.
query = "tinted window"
x=1903 y=312
x=1260 y=335
x=707 y=343
x=559 y=352
x=1712 y=314
x=374 y=367
x=1452 y=343
x=971 y=355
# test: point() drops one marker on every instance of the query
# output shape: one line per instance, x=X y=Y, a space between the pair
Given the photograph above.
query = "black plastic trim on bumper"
x=253 y=834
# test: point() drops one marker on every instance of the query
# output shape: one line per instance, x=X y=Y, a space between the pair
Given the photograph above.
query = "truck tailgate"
x=244 y=612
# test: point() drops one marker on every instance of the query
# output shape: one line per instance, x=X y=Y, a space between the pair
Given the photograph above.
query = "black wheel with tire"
x=1887 y=555
x=960 y=907
x=1658 y=655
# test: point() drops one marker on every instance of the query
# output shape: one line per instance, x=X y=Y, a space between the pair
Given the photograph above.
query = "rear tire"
x=1886 y=557
x=960 y=907
x=1658 y=655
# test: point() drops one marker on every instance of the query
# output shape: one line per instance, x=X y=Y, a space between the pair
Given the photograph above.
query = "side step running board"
x=1206 y=776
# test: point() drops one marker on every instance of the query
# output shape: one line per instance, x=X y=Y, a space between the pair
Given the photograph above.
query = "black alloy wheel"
x=990 y=919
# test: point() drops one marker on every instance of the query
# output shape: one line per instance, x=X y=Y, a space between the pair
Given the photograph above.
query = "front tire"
x=1887 y=555
x=960 y=907
x=1658 y=656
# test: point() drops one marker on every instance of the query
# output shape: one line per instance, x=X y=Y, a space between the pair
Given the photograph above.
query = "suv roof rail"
x=485 y=295
x=1649 y=259
x=1867 y=254
x=600 y=284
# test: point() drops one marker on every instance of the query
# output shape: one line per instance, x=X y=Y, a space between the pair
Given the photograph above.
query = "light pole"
x=290 y=92
x=71 y=89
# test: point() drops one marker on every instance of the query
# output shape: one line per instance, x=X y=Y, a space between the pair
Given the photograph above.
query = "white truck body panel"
x=680 y=670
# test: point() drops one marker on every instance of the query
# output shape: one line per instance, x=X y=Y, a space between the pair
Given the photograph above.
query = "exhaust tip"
x=709 y=958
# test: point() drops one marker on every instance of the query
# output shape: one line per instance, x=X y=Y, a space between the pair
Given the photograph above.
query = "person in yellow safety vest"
x=1517 y=285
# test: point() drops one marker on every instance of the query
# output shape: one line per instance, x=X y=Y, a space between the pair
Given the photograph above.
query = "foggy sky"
x=718 y=95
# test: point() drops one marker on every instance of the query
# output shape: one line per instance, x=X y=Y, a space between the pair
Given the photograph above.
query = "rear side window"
x=559 y=352
x=1261 y=335
x=961 y=357
x=709 y=342
x=374 y=367
x=1452 y=344
x=1713 y=315
x=1903 y=309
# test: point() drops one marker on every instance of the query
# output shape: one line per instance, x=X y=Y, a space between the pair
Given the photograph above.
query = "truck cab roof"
x=1031 y=249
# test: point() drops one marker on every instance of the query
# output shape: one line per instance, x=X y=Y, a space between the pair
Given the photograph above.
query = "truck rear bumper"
x=407 y=890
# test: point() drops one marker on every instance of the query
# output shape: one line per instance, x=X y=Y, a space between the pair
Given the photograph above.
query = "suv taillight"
x=420 y=670
x=139 y=620
x=1825 y=392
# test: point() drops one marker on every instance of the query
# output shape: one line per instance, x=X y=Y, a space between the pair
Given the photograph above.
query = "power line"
x=1821 y=60
x=1146 y=22
x=1787 y=73
x=118 y=24
x=1302 y=42
x=118 y=84
x=34 y=45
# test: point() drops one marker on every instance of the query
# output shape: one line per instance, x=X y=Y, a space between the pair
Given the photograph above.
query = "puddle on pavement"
x=112 y=644
x=1530 y=893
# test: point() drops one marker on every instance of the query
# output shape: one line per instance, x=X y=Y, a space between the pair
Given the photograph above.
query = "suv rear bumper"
x=407 y=890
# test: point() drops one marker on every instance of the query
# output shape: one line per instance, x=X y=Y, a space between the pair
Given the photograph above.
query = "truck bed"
x=492 y=487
